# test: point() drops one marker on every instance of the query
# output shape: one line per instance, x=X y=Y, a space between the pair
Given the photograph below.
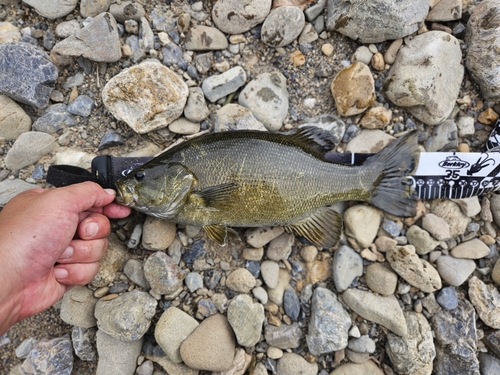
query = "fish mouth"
x=124 y=196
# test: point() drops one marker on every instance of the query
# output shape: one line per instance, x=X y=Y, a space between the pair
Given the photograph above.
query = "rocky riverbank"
x=397 y=296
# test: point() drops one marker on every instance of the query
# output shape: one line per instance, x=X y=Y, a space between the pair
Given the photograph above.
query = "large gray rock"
x=50 y=357
x=55 y=118
x=329 y=325
x=52 y=9
x=282 y=26
x=267 y=97
x=28 y=149
x=425 y=78
x=98 y=41
x=19 y=80
x=482 y=37
x=376 y=21
x=84 y=340
x=127 y=317
x=163 y=275
x=414 y=353
x=347 y=265
x=147 y=96
x=235 y=17
x=456 y=337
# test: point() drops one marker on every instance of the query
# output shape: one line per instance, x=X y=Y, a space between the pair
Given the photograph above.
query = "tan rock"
x=353 y=89
x=211 y=346
x=376 y=118
x=417 y=272
x=486 y=300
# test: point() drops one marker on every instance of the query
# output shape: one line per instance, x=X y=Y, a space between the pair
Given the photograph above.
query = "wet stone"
x=30 y=86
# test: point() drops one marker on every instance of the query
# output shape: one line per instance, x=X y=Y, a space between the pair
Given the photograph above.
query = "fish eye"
x=139 y=176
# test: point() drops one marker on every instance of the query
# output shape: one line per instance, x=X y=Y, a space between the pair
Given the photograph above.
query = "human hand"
x=51 y=239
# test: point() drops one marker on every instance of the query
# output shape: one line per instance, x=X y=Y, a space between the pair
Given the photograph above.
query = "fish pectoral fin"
x=220 y=233
x=323 y=228
x=217 y=196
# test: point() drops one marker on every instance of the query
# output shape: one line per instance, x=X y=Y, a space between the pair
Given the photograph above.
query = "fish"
x=254 y=179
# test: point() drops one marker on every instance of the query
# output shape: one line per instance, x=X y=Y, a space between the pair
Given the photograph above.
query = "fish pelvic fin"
x=220 y=233
x=392 y=190
x=323 y=228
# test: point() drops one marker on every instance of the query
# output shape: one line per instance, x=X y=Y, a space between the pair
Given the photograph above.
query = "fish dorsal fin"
x=314 y=138
x=217 y=196
x=220 y=233
x=323 y=228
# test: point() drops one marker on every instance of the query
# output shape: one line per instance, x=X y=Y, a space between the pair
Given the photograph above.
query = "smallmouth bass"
x=253 y=179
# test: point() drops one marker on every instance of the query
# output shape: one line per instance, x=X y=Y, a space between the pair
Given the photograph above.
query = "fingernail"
x=110 y=191
x=91 y=229
x=67 y=253
x=60 y=273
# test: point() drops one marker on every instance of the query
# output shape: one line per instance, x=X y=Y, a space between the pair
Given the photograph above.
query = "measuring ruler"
x=452 y=175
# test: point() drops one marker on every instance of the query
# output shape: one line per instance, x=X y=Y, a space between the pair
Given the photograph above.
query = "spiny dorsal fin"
x=322 y=228
x=220 y=233
x=217 y=196
x=314 y=138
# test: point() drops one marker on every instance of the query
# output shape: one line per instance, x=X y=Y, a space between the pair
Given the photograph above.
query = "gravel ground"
x=306 y=81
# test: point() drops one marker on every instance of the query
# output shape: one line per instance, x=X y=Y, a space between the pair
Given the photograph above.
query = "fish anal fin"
x=217 y=196
x=220 y=233
x=323 y=228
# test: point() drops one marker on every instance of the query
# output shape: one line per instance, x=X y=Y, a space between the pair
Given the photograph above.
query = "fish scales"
x=248 y=179
x=277 y=183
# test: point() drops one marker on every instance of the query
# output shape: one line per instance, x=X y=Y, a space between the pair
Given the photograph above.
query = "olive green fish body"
x=248 y=179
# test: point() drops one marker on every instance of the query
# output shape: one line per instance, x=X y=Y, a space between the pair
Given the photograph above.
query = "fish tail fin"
x=392 y=190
